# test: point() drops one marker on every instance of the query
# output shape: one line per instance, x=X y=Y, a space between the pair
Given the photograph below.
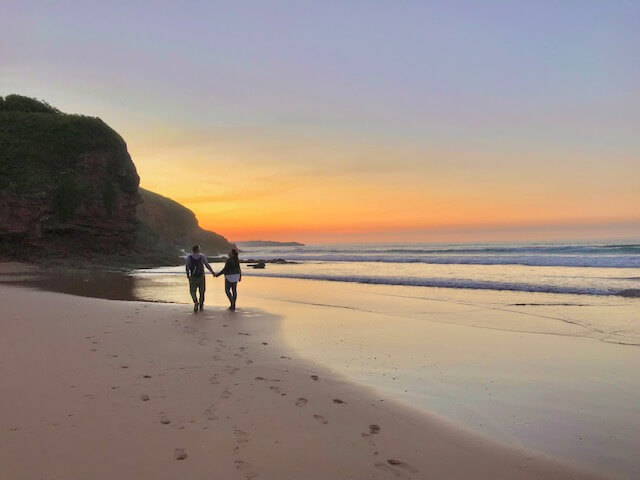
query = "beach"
x=95 y=388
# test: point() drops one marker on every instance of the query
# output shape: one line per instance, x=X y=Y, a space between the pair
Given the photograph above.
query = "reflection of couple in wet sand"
x=195 y=265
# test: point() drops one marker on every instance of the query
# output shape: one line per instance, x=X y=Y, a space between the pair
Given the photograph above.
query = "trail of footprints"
x=392 y=466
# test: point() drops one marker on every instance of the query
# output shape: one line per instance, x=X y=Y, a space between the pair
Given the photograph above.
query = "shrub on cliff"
x=19 y=103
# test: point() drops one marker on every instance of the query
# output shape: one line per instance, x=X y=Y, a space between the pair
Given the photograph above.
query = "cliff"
x=68 y=188
x=65 y=180
x=171 y=226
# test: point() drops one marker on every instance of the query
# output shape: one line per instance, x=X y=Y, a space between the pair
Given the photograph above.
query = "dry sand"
x=104 y=389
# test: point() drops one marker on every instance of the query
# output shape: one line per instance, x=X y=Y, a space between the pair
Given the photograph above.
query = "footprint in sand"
x=144 y=397
x=315 y=377
x=146 y=376
x=211 y=413
x=320 y=419
x=245 y=468
x=275 y=389
x=337 y=401
x=241 y=436
x=374 y=429
x=301 y=402
x=369 y=439
x=260 y=378
x=165 y=420
x=230 y=370
x=388 y=469
x=401 y=465
x=226 y=394
x=180 y=454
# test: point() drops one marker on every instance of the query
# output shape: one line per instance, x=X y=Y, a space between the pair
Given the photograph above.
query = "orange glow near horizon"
x=263 y=191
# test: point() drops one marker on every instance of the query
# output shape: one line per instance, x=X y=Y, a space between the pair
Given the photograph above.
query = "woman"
x=232 y=275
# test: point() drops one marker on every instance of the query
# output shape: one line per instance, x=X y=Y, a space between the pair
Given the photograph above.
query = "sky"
x=349 y=121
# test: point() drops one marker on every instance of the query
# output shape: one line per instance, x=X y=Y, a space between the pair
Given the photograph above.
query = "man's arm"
x=186 y=266
x=224 y=269
x=206 y=264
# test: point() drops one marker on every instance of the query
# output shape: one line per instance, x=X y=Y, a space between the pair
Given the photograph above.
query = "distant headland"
x=268 y=243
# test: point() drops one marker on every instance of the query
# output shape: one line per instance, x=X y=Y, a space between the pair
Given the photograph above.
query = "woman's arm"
x=225 y=269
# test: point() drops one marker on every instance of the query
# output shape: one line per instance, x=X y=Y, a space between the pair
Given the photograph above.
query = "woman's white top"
x=232 y=278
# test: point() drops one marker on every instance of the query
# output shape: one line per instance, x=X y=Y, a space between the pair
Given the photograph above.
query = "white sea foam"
x=625 y=255
x=601 y=261
x=474 y=284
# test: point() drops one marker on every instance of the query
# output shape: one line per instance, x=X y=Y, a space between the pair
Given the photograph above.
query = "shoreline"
x=237 y=400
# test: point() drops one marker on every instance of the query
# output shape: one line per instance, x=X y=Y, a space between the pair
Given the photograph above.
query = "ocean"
x=602 y=268
x=568 y=282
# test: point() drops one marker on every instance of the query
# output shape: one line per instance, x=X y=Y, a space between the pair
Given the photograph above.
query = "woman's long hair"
x=234 y=256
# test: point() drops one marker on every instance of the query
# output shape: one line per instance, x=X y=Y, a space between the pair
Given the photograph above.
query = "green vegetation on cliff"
x=68 y=184
x=42 y=149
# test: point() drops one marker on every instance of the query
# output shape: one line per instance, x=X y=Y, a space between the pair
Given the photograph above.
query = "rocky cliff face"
x=66 y=181
x=165 y=222
x=68 y=187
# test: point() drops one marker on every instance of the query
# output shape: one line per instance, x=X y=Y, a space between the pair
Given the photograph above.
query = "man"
x=195 y=273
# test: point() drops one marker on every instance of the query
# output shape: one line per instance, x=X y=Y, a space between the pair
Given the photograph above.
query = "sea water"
x=602 y=268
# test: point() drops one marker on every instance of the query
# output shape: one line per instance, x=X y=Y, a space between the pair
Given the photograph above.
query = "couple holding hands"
x=195 y=264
